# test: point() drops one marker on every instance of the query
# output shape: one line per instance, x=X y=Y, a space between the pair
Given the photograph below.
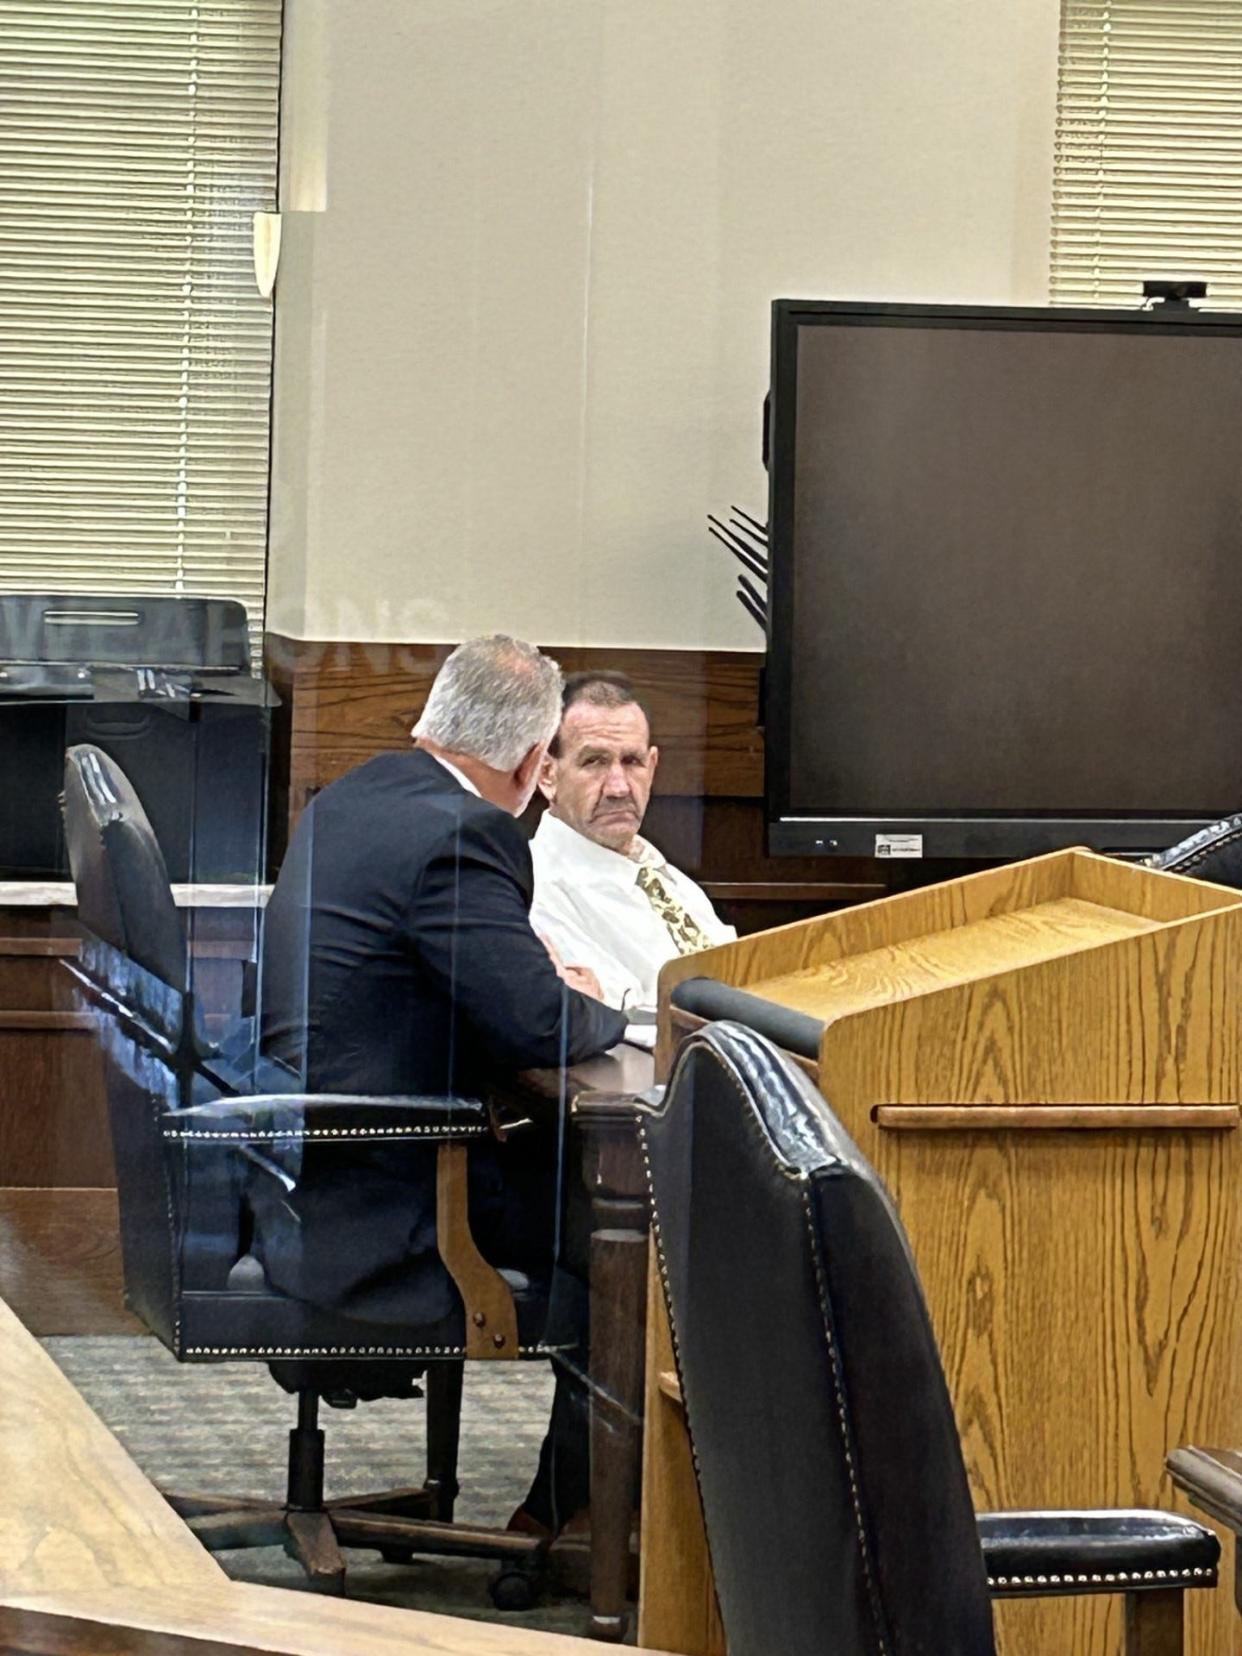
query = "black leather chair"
x=834 y=1493
x=202 y=1137
x=1214 y=853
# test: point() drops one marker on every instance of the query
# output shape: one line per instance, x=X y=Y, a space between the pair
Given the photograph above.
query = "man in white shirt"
x=605 y=898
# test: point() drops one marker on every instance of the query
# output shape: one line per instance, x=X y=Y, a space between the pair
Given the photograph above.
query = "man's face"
x=602 y=780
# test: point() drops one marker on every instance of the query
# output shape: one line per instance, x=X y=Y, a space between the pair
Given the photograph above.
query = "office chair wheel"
x=515 y=1588
x=397 y=1555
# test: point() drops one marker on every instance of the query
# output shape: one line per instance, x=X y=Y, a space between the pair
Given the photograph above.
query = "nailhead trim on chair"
x=352 y=1351
x=272 y=1135
x=1200 y=853
x=1118 y=1578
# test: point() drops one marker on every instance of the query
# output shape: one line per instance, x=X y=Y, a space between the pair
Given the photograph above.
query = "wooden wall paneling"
x=346 y=702
x=60 y=1258
x=53 y=1113
x=351 y=699
x=60 y=1261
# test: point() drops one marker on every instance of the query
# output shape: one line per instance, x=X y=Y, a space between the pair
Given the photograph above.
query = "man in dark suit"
x=398 y=958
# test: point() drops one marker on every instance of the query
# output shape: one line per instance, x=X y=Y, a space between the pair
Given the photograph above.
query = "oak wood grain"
x=677 y=1594
x=237 y=1617
x=1047 y=1118
x=94 y=1561
x=76 y=1512
x=1085 y=1296
x=491 y=1317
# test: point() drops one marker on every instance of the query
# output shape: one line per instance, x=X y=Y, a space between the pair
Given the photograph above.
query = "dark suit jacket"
x=398 y=959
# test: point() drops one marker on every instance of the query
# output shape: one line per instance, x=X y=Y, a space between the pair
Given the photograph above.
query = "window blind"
x=137 y=140
x=1148 y=170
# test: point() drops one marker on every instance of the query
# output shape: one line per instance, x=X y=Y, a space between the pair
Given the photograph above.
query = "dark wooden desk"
x=1212 y=1479
x=599 y=1098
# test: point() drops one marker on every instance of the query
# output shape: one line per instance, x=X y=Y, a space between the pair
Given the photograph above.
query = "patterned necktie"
x=684 y=929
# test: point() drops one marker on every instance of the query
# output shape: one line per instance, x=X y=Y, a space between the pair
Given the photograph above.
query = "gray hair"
x=494 y=699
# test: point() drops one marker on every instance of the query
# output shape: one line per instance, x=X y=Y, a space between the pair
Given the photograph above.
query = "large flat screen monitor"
x=1006 y=578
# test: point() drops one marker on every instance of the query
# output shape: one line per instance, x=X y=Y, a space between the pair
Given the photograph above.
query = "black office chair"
x=204 y=1138
x=1214 y=853
x=834 y=1493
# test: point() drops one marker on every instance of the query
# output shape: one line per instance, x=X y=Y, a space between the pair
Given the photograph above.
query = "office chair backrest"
x=134 y=956
x=834 y=1492
x=1214 y=853
x=119 y=874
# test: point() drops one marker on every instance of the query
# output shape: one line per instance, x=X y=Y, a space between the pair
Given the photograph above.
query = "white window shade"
x=137 y=140
x=1148 y=175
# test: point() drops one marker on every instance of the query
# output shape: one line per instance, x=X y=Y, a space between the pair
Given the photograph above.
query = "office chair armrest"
x=268 y=1132
x=1055 y=1554
x=340 y=1117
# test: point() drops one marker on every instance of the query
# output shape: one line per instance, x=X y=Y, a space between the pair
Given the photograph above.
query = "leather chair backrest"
x=835 y=1497
x=136 y=952
x=123 y=891
x=1214 y=853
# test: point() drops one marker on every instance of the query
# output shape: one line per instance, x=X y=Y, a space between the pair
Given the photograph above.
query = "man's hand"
x=552 y=955
x=577 y=977
x=584 y=979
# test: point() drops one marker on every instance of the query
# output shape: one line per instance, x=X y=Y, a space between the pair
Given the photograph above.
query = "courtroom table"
x=96 y=1564
x=1212 y=1480
x=598 y=1098
x=59 y=1243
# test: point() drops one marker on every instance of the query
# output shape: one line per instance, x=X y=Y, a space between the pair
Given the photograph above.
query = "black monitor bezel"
x=984 y=835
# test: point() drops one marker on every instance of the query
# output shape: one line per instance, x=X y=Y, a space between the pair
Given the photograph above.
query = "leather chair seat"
x=250 y=1318
x=1026 y=1553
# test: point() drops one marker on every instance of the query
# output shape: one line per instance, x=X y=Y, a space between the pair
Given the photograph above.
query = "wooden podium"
x=1042 y=1062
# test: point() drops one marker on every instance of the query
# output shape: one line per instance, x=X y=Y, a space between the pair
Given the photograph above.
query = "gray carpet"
x=221 y=1429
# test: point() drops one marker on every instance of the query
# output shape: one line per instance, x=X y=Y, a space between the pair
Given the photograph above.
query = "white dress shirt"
x=589 y=906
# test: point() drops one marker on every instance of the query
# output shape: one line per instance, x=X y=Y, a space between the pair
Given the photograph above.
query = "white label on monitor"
x=899 y=845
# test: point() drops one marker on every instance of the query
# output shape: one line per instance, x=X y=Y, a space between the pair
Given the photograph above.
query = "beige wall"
x=529 y=249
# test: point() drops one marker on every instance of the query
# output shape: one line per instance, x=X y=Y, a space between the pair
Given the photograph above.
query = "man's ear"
x=547 y=778
x=524 y=776
x=653 y=758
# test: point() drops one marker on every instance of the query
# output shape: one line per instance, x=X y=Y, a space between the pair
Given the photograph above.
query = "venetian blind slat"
x=1148 y=166
x=137 y=140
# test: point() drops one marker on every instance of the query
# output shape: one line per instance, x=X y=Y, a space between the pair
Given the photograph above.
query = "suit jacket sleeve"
x=469 y=924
